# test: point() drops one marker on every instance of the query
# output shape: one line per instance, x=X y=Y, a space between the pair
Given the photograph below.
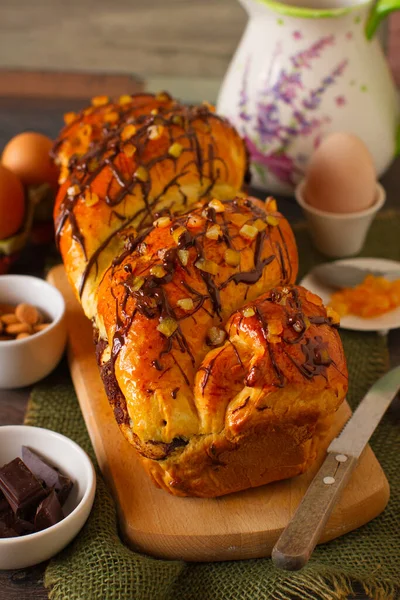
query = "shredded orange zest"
x=373 y=297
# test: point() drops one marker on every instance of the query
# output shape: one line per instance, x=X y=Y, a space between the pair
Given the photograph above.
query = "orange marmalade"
x=373 y=297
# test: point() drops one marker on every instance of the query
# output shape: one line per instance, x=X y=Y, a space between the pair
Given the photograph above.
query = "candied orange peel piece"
x=313 y=298
x=100 y=100
x=371 y=298
x=125 y=99
x=333 y=315
x=70 y=117
x=91 y=198
x=275 y=327
x=127 y=132
x=112 y=116
x=271 y=204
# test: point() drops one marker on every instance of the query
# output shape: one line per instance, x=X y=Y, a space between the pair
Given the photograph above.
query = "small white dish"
x=339 y=235
x=63 y=453
x=24 y=362
x=383 y=323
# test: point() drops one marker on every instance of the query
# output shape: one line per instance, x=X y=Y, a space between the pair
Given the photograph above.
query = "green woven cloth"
x=98 y=566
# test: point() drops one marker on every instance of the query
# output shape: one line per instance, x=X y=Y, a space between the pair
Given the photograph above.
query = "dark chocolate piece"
x=49 y=512
x=47 y=473
x=23 y=527
x=7 y=532
x=13 y=526
x=20 y=487
x=4 y=506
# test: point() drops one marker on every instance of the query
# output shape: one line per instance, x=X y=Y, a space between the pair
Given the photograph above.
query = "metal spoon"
x=339 y=276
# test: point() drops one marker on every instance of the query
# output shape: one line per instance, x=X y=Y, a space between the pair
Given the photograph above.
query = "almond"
x=22 y=336
x=26 y=313
x=41 y=327
x=9 y=319
x=17 y=328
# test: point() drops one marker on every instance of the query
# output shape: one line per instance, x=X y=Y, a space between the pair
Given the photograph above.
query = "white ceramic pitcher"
x=302 y=72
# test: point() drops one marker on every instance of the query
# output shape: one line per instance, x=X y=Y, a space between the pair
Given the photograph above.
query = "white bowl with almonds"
x=32 y=330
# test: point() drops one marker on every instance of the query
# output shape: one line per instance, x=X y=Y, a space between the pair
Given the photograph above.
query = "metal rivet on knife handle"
x=341 y=457
x=329 y=480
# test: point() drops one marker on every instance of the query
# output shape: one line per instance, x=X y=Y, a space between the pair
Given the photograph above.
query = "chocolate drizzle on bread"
x=183 y=124
x=220 y=372
x=151 y=299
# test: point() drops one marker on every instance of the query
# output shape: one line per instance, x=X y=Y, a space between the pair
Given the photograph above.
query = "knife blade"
x=340 y=276
x=358 y=430
x=298 y=540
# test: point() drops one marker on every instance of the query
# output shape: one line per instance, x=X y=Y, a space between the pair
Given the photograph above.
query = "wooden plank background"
x=188 y=40
x=146 y=37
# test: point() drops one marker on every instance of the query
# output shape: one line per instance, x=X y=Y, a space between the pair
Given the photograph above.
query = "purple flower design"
x=303 y=59
x=279 y=164
x=268 y=133
x=286 y=86
x=244 y=98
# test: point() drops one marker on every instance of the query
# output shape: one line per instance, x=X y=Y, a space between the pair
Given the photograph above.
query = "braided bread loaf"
x=124 y=163
x=221 y=372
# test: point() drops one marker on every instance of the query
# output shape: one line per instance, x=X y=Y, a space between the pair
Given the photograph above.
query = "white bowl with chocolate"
x=32 y=329
x=47 y=488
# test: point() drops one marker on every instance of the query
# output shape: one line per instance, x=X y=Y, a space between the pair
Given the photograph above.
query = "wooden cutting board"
x=241 y=525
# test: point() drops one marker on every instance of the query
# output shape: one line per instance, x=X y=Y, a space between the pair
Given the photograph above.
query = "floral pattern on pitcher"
x=268 y=135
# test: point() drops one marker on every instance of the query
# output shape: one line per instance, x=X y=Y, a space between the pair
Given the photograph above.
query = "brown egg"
x=341 y=176
x=12 y=203
x=27 y=155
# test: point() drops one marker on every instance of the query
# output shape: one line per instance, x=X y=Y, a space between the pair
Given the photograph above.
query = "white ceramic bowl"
x=26 y=361
x=28 y=550
x=339 y=235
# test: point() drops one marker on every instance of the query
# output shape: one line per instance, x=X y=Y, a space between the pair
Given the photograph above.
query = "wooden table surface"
x=46 y=116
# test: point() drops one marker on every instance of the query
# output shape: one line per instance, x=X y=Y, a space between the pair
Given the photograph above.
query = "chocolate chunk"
x=4 y=506
x=12 y=526
x=47 y=473
x=49 y=512
x=20 y=487
x=23 y=527
x=7 y=532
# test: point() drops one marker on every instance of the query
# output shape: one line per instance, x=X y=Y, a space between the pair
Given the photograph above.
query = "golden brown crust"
x=156 y=373
x=266 y=398
x=221 y=372
x=122 y=163
x=214 y=466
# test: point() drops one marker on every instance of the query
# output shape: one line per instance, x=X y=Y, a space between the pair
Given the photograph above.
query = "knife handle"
x=298 y=540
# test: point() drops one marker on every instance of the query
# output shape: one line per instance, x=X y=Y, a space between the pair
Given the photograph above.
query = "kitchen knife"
x=340 y=276
x=298 y=540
